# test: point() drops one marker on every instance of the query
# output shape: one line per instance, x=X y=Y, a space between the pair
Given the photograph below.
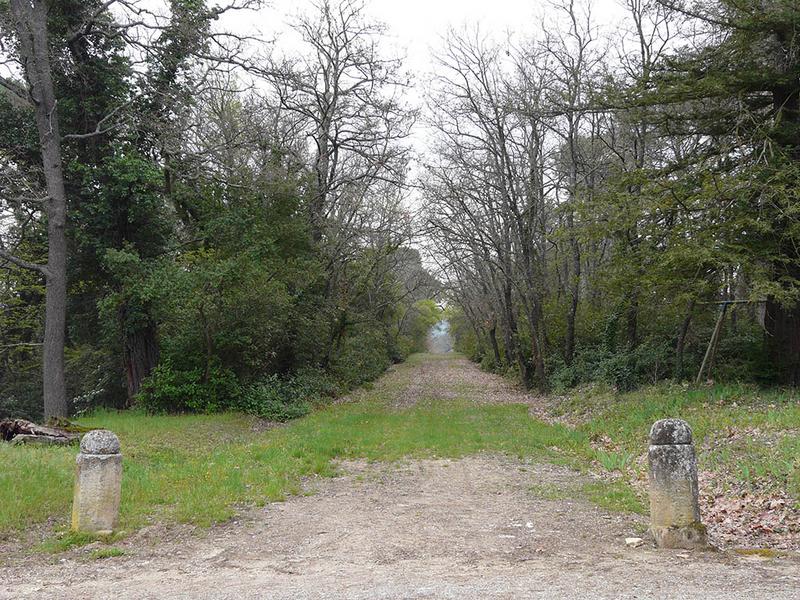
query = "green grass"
x=770 y=455
x=614 y=461
x=615 y=496
x=35 y=483
x=72 y=539
x=102 y=553
x=201 y=468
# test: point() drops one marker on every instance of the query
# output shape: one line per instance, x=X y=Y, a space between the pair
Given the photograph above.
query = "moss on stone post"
x=674 y=508
x=98 y=483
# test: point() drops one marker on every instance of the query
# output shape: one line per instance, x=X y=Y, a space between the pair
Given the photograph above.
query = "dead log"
x=10 y=429
x=24 y=439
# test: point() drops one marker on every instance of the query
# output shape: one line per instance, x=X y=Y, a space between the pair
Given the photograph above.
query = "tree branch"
x=24 y=264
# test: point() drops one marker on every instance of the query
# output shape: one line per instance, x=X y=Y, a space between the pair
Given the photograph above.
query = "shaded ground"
x=478 y=527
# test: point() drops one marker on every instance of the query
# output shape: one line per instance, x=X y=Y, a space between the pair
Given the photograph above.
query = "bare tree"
x=346 y=96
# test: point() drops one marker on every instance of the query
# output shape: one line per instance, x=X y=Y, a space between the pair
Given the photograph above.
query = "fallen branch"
x=20 y=431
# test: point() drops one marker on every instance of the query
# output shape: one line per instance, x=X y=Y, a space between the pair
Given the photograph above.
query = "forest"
x=194 y=219
x=623 y=207
x=188 y=225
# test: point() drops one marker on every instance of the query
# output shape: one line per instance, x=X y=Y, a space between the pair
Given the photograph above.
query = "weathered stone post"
x=674 y=509
x=98 y=483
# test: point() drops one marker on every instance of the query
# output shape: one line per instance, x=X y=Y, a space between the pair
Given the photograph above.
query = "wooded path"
x=465 y=529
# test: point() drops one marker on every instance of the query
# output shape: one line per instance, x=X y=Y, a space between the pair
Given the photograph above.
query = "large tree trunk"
x=31 y=24
x=782 y=322
x=140 y=354
x=55 y=390
x=783 y=340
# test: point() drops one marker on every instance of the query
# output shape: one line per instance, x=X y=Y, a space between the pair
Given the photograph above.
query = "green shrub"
x=21 y=396
x=169 y=390
x=489 y=364
x=278 y=399
x=362 y=357
x=315 y=383
x=624 y=369
x=617 y=369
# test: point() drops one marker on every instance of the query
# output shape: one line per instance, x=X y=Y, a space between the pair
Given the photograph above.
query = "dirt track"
x=466 y=529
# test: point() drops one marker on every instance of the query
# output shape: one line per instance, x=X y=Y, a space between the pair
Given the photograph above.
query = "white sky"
x=416 y=26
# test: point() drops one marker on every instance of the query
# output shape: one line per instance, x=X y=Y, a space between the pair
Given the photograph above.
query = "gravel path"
x=465 y=529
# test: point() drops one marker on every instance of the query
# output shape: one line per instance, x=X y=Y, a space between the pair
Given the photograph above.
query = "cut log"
x=25 y=439
x=10 y=429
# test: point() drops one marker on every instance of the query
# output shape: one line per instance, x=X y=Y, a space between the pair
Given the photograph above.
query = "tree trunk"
x=140 y=356
x=782 y=322
x=783 y=340
x=31 y=24
x=338 y=330
x=498 y=360
x=574 y=290
x=509 y=327
x=680 y=346
x=322 y=168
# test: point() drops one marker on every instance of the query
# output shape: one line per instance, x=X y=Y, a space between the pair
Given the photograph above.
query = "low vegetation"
x=198 y=468
x=201 y=469
x=750 y=434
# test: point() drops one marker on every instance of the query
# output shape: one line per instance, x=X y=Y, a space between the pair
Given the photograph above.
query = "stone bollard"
x=98 y=483
x=674 y=509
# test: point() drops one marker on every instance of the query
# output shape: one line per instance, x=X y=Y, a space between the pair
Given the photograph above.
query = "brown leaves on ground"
x=747 y=515
x=747 y=512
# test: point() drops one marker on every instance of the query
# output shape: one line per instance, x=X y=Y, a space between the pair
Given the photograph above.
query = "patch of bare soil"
x=466 y=529
x=452 y=377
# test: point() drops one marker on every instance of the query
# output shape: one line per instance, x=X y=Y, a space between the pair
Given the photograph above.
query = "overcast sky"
x=416 y=26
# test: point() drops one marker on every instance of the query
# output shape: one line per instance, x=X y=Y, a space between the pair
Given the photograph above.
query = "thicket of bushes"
x=606 y=359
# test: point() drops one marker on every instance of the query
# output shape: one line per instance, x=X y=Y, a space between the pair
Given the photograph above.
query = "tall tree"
x=25 y=26
x=346 y=94
x=739 y=86
x=70 y=64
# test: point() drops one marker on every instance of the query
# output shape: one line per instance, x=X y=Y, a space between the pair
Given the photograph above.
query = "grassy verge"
x=743 y=433
x=197 y=469
x=613 y=495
